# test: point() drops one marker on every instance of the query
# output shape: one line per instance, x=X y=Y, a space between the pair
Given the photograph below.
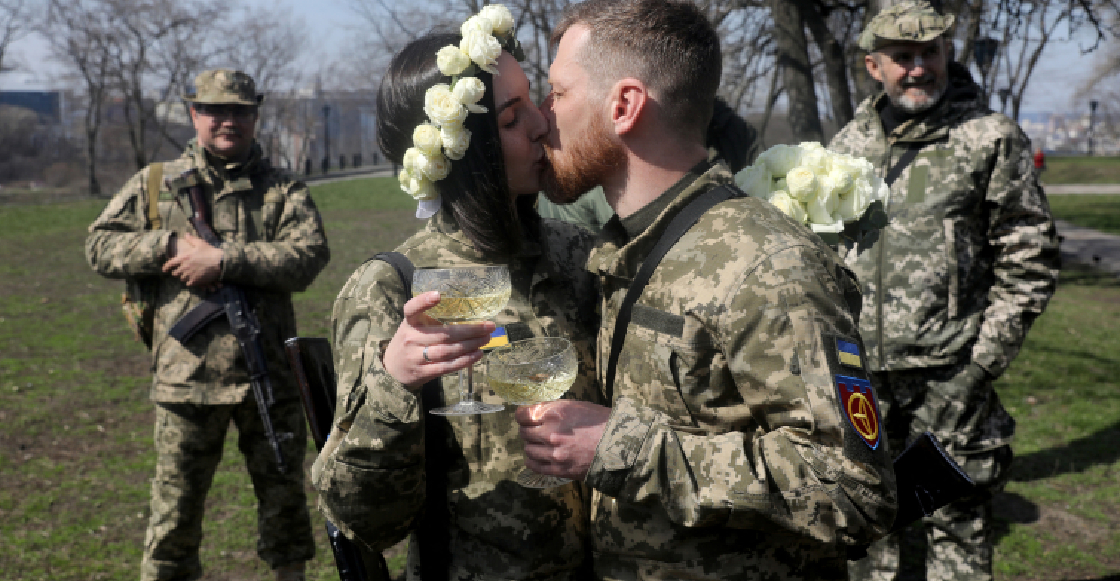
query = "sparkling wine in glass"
x=529 y=372
x=466 y=295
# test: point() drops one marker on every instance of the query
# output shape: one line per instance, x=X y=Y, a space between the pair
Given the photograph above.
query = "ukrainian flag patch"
x=848 y=353
x=497 y=339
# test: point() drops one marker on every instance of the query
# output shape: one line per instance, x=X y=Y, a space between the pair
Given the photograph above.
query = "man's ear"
x=628 y=103
x=873 y=67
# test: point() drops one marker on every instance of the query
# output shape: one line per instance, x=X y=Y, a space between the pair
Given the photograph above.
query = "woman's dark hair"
x=476 y=192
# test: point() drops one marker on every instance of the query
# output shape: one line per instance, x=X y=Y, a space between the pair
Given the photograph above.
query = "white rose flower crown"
x=443 y=138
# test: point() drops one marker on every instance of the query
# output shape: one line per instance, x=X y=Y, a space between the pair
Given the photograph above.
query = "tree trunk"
x=834 y=66
x=91 y=163
x=797 y=71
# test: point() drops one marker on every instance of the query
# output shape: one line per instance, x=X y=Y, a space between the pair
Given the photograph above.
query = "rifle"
x=231 y=301
x=313 y=366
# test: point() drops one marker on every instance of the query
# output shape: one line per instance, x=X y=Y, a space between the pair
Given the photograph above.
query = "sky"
x=1057 y=77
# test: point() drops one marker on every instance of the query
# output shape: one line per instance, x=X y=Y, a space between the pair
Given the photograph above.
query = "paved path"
x=1081 y=189
x=1091 y=247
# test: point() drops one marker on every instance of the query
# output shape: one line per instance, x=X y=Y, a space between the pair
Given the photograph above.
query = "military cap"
x=907 y=21
x=223 y=86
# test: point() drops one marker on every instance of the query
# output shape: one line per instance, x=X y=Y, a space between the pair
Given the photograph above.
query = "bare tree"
x=15 y=23
x=156 y=44
x=80 y=34
x=269 y=46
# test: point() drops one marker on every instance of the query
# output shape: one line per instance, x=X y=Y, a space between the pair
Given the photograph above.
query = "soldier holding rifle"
x=218 y=252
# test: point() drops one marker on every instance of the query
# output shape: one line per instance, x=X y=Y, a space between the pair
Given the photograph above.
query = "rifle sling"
x=680 y=224
x=433 y=529
x=904 y=160
x=198 y=317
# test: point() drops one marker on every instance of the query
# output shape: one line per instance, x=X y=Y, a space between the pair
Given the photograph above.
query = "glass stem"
x=466 y=384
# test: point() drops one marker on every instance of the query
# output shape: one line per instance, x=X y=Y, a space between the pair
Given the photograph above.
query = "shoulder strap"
x=432 y=530
x=903 y=161
x=155 y=176
x=680 y=224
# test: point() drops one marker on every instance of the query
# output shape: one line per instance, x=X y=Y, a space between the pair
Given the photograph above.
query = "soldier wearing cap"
x=273 y=244
x=951 y=285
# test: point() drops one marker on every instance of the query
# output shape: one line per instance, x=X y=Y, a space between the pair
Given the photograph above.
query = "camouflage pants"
x=958 y=405
x=189 y=441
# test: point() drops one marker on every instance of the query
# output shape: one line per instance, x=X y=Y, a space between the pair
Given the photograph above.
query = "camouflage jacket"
x=274 y=245
x=729 y=453
x=970 y=255
x=372 y=481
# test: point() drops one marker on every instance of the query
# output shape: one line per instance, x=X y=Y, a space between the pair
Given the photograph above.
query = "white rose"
x=780 y=158
x=469 y=90
x=434 y=167
x=456 y=139
x=426 y=138
x=452 y=61
x=422 y=189
x=417 y=186
x=499 y=16
x=836 y=182
x=754 y=180
x=442 y=106
x=855 y=202
x=814 y=156
x=476 y=24
x=821 y=208
x=801 y=183
x=409 y=161
x=483 y=49
x=789 y=206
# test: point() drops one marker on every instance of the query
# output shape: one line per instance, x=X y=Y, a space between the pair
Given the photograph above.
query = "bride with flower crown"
x=455 y=111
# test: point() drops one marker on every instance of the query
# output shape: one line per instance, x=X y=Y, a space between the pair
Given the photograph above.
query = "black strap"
x=907 y=156
x=680 y=224
x=433 y=529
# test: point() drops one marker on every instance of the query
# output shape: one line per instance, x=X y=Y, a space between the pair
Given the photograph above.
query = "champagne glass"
x=466 y=295
x=533 y=371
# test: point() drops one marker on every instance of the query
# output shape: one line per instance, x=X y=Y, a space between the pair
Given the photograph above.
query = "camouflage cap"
x=224 y=86
x=907 y=21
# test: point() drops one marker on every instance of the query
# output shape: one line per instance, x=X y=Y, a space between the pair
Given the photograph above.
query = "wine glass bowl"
x=533 y=371
x=467 y=294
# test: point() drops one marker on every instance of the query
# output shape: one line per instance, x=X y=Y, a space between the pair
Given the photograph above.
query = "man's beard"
x=590 y=159
x=904 y=101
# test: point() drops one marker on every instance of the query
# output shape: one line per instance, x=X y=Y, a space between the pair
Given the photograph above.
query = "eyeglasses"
x=238 y=112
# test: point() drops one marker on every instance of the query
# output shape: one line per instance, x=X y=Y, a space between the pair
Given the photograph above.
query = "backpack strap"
x=155 y=176
x=680 y=224
x=433 y=529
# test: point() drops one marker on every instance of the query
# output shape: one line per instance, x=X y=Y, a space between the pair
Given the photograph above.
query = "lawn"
x=1081 y=170
x=1096 y=211
x=76 y=424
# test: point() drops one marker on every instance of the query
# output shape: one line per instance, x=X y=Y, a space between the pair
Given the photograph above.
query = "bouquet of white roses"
x=817 y=187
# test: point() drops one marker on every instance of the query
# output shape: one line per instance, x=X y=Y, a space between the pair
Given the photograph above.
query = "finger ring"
x=426 y=354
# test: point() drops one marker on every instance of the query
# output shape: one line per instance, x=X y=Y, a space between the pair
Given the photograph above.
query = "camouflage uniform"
x=967 y=261
x=372 y=482
x=274 y=244
x=728 y=454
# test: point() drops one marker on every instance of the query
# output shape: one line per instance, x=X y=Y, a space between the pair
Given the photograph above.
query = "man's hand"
x=423 y=349
x=193 y=261
x=561 y=436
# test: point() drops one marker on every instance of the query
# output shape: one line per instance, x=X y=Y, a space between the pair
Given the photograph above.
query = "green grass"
x=76 y=423
x=1096 y=211
x=1081 y=170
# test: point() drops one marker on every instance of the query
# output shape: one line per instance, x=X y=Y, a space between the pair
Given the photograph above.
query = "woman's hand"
x=424 y=349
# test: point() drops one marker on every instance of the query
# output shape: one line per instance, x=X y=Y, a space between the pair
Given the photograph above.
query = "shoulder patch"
x=861 y=408
x=848 y=353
